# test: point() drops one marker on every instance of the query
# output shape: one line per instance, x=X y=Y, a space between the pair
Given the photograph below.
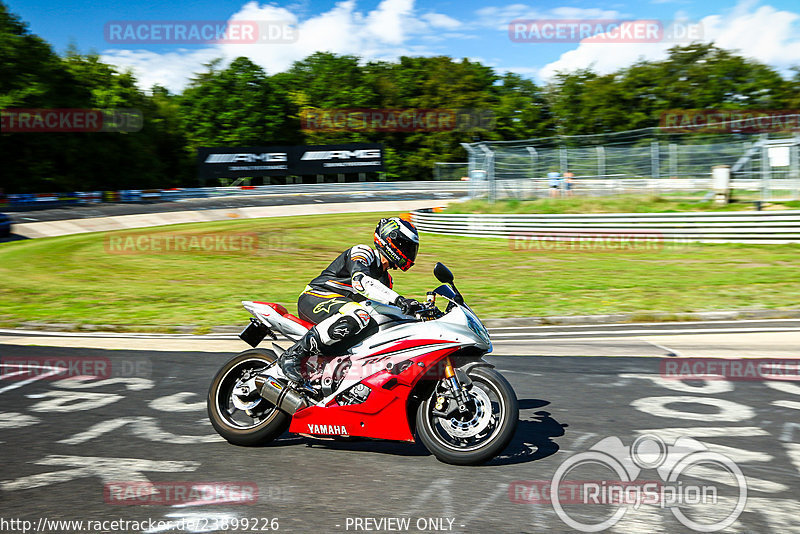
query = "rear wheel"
x=482 y=432
x=236 y=410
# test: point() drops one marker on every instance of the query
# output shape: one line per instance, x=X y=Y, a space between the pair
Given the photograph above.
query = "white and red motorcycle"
x=421 y=375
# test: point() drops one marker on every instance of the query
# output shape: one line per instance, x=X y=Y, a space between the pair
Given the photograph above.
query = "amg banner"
x=289 y=160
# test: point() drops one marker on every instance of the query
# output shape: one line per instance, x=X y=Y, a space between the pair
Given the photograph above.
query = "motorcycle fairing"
x=383 y=415
x=390 y=363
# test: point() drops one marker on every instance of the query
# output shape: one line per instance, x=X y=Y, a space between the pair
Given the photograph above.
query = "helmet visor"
x=408 y=252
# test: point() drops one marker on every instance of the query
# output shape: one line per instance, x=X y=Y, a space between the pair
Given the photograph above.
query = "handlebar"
x=429 y=311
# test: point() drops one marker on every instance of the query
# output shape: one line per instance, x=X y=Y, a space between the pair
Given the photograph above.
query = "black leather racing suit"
x=331 y=300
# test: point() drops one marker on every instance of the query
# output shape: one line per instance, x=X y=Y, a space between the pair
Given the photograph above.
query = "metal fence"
x=450 y=171
x=764 y=166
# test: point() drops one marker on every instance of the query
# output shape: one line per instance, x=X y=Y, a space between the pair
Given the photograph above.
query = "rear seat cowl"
x=285 y=313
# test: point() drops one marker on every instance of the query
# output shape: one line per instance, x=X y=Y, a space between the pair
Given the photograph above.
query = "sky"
x=768 y=31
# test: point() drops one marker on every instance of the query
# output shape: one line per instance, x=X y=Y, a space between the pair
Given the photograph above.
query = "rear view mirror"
x=442 y=273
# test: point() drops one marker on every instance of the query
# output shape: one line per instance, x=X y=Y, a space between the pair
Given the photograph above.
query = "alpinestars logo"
x=267 y=157
x=327 y=429
x=342 y=154
x=340 y=331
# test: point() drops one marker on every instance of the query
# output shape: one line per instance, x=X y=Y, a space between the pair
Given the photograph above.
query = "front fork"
x=457 y=389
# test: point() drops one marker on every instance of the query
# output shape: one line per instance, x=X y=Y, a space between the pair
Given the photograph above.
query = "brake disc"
x=481 y=417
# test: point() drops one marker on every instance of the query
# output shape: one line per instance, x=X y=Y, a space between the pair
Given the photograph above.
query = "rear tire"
x=433 y=430
x=232 y=423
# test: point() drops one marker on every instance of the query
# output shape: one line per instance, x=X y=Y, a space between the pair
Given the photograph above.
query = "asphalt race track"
x=64 y=440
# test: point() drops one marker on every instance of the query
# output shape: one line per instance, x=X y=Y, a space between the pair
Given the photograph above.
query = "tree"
x=521 y=110
x=241 y=105
x=238 y=105
x=696 y=76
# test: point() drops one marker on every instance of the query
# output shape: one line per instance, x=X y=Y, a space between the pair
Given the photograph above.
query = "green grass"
x=73 y=279
x=610 y=204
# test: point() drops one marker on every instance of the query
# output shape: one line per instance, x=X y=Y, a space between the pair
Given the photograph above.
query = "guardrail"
x=757 y=227
x=506 y=188
x=164 y=195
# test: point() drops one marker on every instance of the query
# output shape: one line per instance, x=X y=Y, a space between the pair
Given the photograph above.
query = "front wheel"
x=482 y=432
x=236 y=410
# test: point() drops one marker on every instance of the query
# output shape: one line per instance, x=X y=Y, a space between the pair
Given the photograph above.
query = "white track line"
x=528 y=335
x=54 y=371
x=578 y=326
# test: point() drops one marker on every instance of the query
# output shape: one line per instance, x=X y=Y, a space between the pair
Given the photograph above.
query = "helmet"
x=398 y=241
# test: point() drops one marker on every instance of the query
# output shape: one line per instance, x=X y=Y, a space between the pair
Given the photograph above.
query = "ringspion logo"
x=685 y=468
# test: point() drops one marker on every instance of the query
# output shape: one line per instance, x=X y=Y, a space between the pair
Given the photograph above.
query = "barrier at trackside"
x=165 y=195
x=521 y=188
x=754 y=227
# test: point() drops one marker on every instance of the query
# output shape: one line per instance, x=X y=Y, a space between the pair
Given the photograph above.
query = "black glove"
x=408 y=306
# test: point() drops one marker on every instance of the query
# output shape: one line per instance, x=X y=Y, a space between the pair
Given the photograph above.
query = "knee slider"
x=343 y=327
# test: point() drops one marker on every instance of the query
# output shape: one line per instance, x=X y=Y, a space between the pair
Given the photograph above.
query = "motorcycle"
x=420 y=375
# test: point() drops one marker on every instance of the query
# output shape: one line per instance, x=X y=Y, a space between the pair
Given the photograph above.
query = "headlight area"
x=479 y=330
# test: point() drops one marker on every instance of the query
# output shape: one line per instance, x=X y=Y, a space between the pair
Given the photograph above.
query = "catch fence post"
x=534 y=158
x=490 y=173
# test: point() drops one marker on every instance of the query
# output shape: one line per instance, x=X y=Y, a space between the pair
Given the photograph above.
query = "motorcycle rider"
x=333 y=299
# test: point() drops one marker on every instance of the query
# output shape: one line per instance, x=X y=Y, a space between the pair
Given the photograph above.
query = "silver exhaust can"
x=281 y=395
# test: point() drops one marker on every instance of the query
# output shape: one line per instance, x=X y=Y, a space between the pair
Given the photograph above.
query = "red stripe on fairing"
x=408 y=344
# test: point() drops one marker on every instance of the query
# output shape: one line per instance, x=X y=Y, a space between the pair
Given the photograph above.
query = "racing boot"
x=292 y=358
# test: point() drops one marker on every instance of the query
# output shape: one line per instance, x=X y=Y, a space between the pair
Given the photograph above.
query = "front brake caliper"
x=446 y=404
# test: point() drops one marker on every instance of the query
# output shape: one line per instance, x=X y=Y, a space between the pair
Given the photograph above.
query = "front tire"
x=482 y=435
x=257 y=425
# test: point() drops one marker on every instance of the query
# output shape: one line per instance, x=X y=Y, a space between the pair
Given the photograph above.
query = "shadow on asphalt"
x=532 y=441
x=12 y=237
x=398 y=448
x=534 y=437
